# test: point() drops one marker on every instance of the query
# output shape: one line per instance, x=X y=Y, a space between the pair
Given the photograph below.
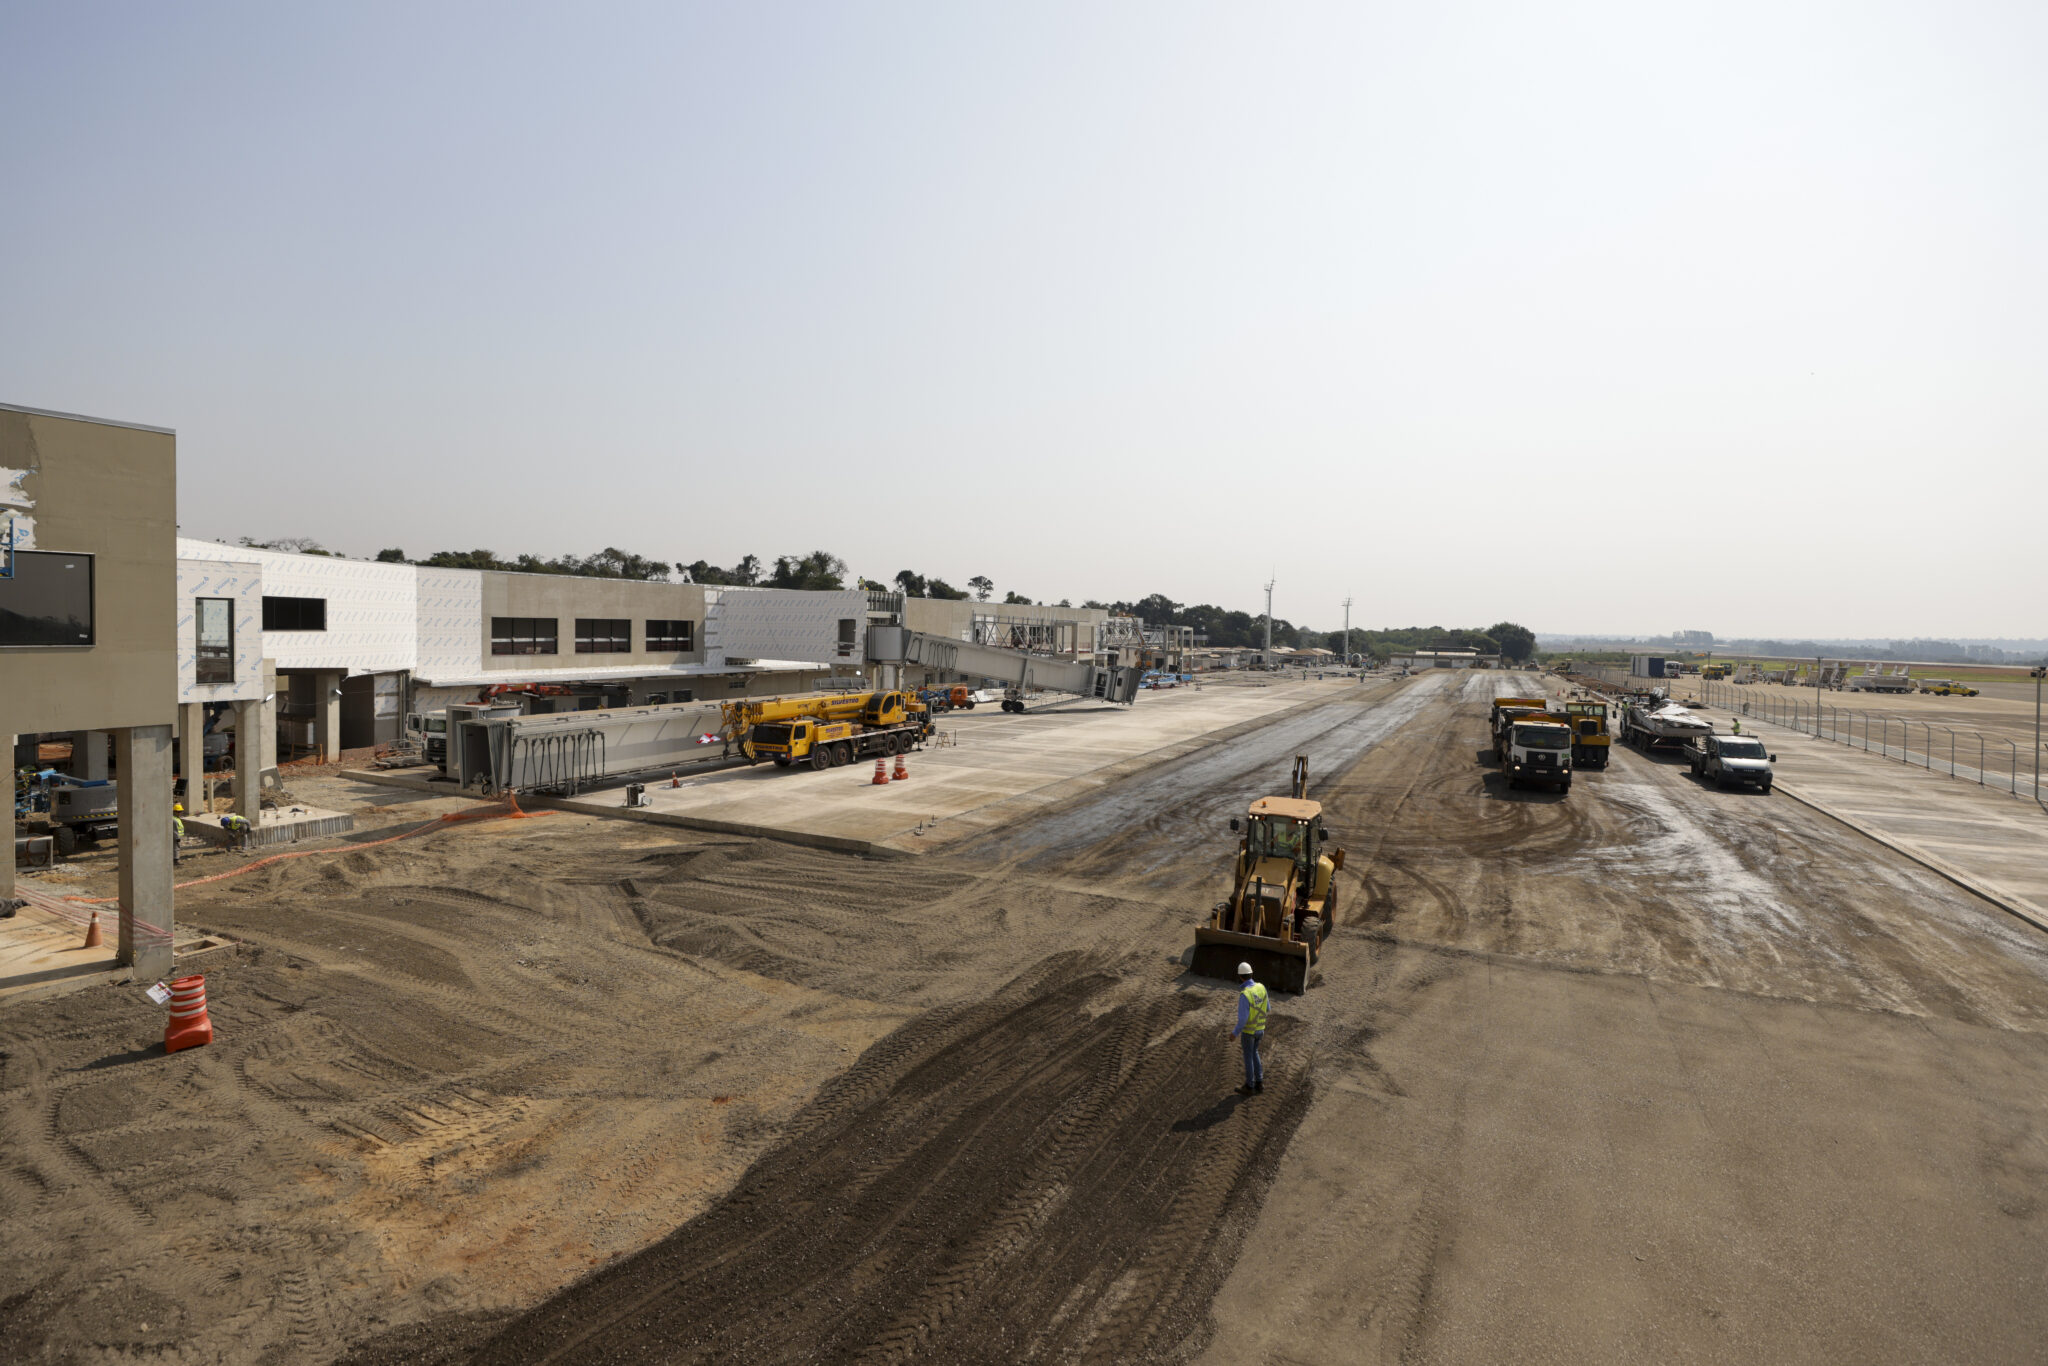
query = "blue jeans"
x=1254 y=1071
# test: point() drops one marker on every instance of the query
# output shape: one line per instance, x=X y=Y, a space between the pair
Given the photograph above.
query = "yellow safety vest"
x=1255 y=1018
x=177 y=828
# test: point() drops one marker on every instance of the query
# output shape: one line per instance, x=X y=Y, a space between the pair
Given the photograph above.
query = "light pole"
x=1347 y=633
x=1269 y=622
x=2038 y=674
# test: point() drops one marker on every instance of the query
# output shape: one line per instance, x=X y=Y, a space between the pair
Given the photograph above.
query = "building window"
x=847 y=629
x=213 y=624
x=47 y=600
x=604 y=636
x=666 y=636
x=294 y=614
x=524 y=636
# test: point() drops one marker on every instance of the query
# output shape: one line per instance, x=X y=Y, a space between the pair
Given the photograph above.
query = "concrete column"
x=192 y=754
x=267 y=731
x=327 y=714
x=251 y=715
x=89 y=755
x=7 y=864
x=144 y=754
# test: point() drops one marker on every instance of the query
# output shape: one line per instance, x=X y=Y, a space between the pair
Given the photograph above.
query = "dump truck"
x=1283 y=894
x=1536 y=749
x=1592 y=743
x=1711 y=671
x=1507 y=710
x=828 y=729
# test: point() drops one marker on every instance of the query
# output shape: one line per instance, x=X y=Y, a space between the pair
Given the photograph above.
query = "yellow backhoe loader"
x=1283 y=895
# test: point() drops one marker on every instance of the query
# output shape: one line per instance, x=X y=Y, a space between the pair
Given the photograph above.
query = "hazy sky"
x=1598 y=317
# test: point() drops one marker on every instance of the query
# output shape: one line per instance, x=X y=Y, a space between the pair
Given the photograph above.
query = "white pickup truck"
x=1725 y=759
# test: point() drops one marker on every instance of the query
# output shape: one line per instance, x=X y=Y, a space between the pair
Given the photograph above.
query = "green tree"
x=1016 y=599
x=1518 y=643
x=465 y=559
x=392 y=557
x=818 y=570
x=982 y=585
x=295 y=545
x=939 y=588
x=911 y=585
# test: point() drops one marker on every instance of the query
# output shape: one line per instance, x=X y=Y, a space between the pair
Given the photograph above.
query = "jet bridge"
x=569 y=752
x=1020 y=672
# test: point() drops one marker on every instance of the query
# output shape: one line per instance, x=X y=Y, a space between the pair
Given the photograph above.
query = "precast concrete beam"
x=192 y=753
x=144 y=755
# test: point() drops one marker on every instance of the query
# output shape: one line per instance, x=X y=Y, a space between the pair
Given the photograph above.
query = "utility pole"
x=2038 y=675
x=1269 y=621
x=1818 y=670
x=1347 y=633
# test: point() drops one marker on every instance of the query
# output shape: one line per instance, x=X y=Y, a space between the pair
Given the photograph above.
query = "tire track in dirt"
x=1032 y=1177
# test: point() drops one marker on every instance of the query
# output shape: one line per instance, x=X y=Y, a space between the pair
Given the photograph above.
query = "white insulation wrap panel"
x=371 y=608
x=451 y=623
x=242 y=583
x=802 y=626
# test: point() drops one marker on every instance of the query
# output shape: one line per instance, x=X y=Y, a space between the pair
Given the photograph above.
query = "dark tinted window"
x=294 y=614
x=671 y=635
x=47 y=600
x=523 y=636
x=603 y=635
x=213 y=629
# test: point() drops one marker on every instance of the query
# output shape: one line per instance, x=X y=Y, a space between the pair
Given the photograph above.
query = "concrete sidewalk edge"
x=2016 y=906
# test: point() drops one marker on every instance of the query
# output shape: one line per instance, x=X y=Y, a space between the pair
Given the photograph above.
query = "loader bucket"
x=1278 y=966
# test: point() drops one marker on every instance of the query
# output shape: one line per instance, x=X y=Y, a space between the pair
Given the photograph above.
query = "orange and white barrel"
x=188 y=1026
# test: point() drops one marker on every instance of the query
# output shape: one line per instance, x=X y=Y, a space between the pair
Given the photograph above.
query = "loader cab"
x=1285 y=829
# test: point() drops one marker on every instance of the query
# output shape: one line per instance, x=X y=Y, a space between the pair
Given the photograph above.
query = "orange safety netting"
x=511 y=811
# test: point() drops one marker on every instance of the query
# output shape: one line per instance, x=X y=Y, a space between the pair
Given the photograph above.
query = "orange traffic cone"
x=902 y=774
x=881 y=772
x=188 y=1026
x=92 y=932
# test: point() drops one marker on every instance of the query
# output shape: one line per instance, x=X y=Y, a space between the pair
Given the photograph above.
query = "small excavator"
x=1283 y=896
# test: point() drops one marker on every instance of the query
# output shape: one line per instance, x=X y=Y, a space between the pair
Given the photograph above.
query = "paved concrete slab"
x=991 y=768
x=40 y=945
x=1963 y=829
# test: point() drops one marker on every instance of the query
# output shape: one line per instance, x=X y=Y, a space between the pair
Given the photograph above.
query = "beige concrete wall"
x=110 y=491
x=565 y=599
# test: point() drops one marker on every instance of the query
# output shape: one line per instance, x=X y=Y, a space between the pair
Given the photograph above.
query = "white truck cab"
x=1538 y=752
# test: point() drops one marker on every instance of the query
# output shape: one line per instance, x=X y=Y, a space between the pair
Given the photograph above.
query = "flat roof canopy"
x=1288 y=807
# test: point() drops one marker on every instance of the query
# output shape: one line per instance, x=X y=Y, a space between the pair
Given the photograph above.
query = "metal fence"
x=1966 y=755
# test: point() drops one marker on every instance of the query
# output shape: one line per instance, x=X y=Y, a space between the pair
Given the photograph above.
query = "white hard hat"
x=1244 y=969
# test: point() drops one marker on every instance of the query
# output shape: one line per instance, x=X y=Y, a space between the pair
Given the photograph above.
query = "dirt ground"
x=1645 y=1072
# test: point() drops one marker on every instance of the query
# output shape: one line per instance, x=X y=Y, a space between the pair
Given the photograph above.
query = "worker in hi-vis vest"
x=1251 y=1027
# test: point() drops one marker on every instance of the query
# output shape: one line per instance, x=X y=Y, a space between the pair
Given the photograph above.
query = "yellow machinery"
x=1715 y=670
x=1944 y=687
x=1592 y=743
x=827 y=729
x=1283 y=896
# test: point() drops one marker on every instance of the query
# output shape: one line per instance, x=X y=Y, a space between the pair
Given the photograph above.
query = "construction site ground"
x=1648 y=1071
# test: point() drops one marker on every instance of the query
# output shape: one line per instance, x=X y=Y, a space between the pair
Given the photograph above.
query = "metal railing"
x=1916 y=743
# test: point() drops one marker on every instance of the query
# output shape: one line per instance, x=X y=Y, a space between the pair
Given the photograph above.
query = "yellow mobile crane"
x=828 y=729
